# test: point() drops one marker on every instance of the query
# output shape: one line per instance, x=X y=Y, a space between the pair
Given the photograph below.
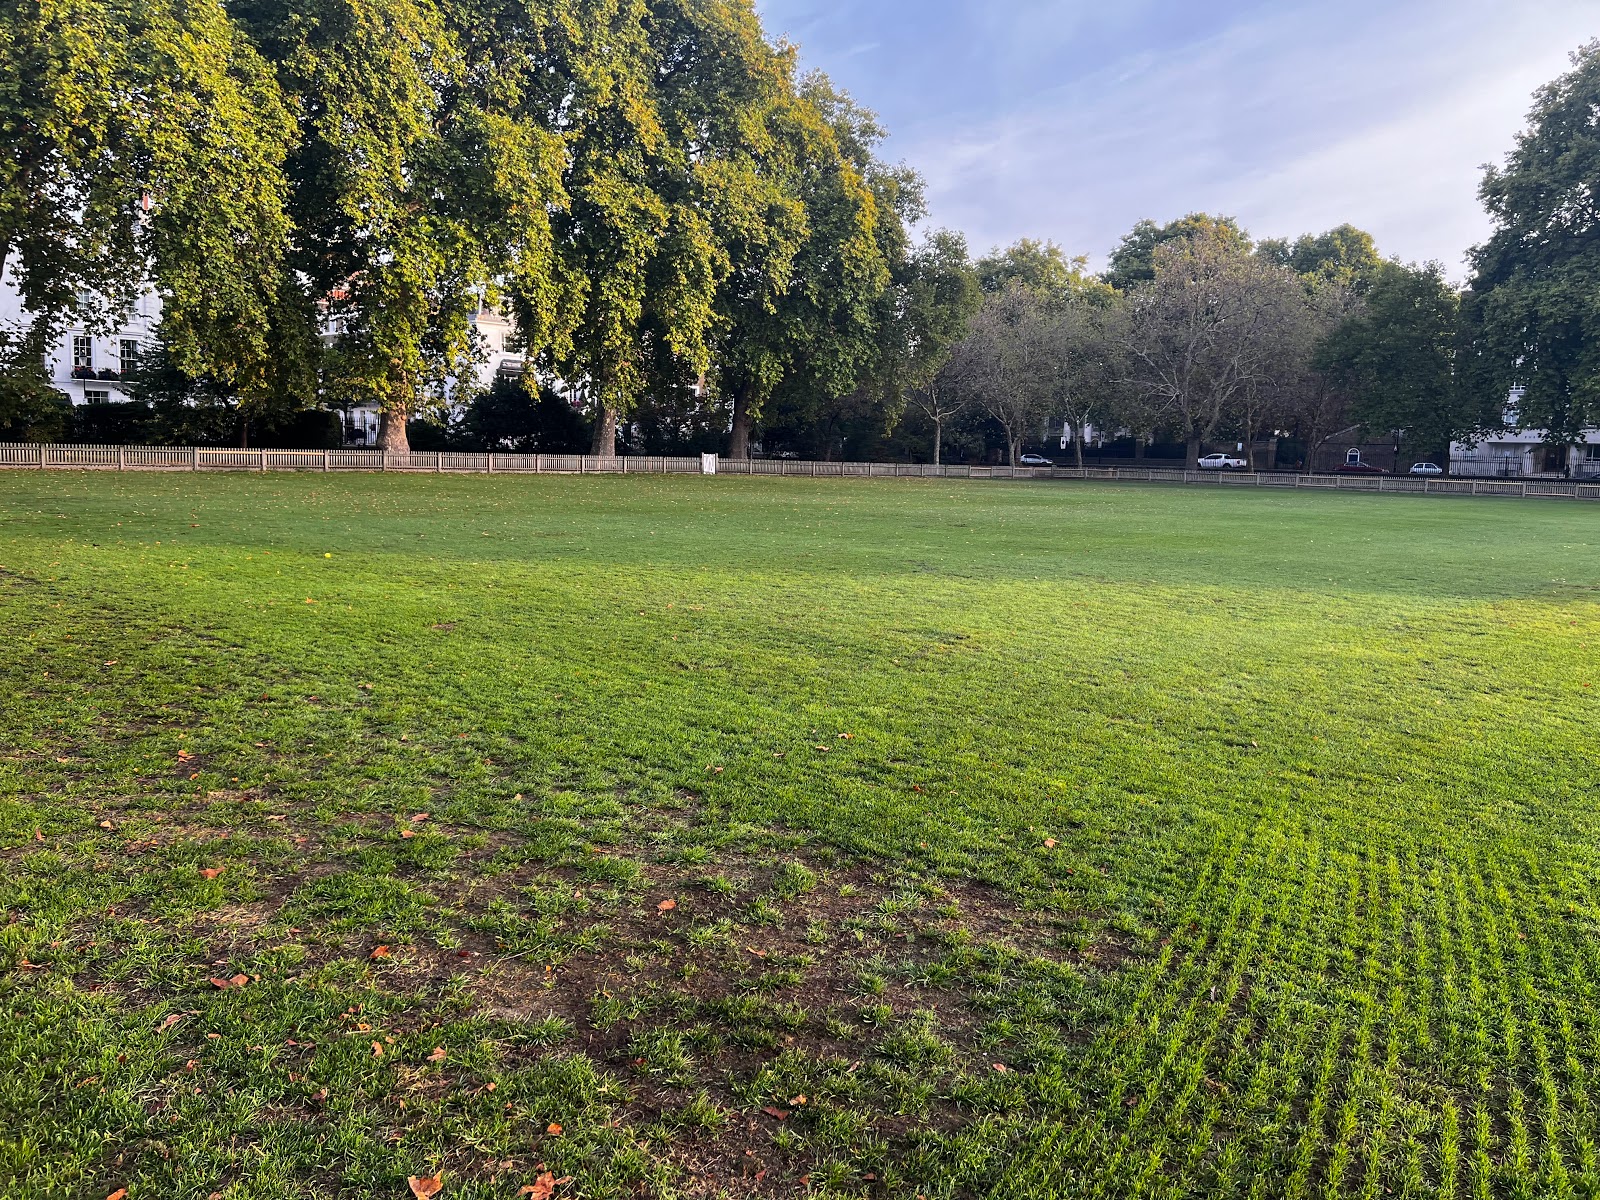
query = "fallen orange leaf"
x=666 y=906
x=408 y=833
x=1049 y=843
x=211 y=872
x=379 y=952
x=438 y=1055
x=541 y=1188
x=423 y=1188
x=420 y=817
x=779 y=1113
x=377 y=1052
x=118 y=1194
x=553 y=1129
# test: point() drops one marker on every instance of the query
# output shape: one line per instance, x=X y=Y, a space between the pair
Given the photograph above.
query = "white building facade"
x=1525 y=453
x=87 y=365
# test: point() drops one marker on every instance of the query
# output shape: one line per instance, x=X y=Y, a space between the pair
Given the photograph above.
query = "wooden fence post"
x=326 y=454
x=194 y=458
x=122 y=458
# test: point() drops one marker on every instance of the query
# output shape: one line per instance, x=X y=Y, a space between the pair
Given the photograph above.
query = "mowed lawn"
x=588 y=837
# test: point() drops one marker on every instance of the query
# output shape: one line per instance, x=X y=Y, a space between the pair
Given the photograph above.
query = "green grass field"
x=679 y=836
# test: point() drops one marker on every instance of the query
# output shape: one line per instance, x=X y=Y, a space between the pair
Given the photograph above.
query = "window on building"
x=129 y=355
x=96 y=396
x=1591 y=454
x=82 y=351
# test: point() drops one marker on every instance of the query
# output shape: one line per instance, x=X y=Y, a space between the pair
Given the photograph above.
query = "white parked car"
x=1426 y=469
x=1223 y=462
x=1034 y=460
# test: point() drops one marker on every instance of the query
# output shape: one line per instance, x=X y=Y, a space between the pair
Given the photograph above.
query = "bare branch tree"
x=1202 y=335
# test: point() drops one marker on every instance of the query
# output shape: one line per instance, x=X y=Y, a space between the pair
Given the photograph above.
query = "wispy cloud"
x=1073 y=120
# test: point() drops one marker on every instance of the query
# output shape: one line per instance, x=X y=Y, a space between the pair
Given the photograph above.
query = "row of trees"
x=1196 y=333
x=324 y=193
x=699 y=247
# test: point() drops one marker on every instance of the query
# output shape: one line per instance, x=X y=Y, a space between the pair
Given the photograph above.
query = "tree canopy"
x=699 y=246
x=1533 y=307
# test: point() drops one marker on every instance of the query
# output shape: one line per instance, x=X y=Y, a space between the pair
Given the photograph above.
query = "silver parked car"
x=1426 y=469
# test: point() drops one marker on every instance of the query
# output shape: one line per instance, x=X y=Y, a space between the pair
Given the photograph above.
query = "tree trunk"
x=1192 y=456
x=938 y=441
x=1014 y=448
x=392 y=430
x=1077 y=448
x=739 y=434
x=605 y=433
x=1138 y=447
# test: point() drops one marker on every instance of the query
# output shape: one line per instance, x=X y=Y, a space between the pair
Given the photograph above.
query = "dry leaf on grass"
x=666 y=906
x=211 y=872
x=119 y=1194
x=779 y=1113
x=379 y=952
x=425 y=1187
x=552 y=1129
x=408 y=833
x=438 y=1055
x=172 y=1019
x=236 y=982
x=543 y=1187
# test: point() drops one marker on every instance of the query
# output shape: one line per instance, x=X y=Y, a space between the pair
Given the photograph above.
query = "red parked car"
x=1359 y=468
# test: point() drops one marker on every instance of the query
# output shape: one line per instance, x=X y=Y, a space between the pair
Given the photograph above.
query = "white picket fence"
x=204 y=458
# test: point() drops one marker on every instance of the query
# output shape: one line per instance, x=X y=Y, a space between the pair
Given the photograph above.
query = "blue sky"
x=1072 y=119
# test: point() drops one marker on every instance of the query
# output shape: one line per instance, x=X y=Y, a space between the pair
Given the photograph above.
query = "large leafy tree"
x=637 y=259
x=1134 y=260
x=1345 y=256
x=1397 y=356
x=424 y=173
x=1532 y=313
x=1040 y=266
x=145 y=142
x=807 y=331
